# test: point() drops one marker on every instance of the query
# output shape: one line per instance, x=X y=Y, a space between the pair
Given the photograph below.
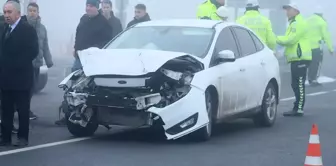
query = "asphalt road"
x=238 y=143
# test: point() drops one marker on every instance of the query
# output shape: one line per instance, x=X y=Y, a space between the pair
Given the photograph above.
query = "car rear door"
x=252 y=61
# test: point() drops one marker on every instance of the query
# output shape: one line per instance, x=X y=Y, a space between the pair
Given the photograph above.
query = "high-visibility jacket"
x=319 y=32
x=260 y=25
x=296 y=41
x=207 y=10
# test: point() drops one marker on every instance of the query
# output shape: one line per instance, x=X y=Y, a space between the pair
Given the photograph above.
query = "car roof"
x=200 y=23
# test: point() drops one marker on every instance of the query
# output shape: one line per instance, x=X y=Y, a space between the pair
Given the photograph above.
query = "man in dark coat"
x=16 y=73
x=3 y=24
x=141 y=15
x=114 y=22
x=93 y=30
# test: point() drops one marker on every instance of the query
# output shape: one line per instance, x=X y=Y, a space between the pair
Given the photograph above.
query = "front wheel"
x=267 y=116
x=80 y=131
x=205 y=132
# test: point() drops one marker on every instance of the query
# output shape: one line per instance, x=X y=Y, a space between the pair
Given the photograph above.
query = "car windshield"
x=189 y=40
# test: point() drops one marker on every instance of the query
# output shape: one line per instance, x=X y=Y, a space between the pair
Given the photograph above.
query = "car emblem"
x=122 y=82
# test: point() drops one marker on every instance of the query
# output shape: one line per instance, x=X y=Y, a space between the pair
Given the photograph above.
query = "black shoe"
x=293 y=113
x=32 y=116
x=20 y=142
x=61 y=122
x=5 y=143
x=14 y=130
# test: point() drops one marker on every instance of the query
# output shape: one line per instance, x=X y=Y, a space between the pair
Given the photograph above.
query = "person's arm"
x=270 y=37
x=200 y=13
x=31 y=44
x=326 y=36
x=119 y=27
x=77 y=30
x=293 y=36
x=46 y=51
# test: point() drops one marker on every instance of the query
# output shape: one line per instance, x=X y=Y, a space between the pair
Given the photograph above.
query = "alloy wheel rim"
x=209 y=107
x=271 y=104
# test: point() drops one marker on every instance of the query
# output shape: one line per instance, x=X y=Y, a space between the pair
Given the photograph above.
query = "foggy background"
x=62 y=16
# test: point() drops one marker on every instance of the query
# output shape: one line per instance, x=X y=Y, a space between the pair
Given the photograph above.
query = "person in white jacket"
x=223 y=13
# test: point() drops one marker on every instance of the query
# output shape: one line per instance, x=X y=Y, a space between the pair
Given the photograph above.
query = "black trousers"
x=315 y=64
x=10 y=100
x=299 y=73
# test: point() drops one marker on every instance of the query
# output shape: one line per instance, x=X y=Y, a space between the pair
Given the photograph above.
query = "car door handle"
x=242 y=69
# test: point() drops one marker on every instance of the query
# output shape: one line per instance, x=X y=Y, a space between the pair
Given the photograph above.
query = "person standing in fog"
x=207 y=10
x=114 y=22
x=19 y=49
x=93 y=30
x=140 y=15
x=34 y=20
x=3 y=24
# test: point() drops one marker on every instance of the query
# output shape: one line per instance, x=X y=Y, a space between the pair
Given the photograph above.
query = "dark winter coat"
x=3 y=25
x=18 y=52
x=92 y=32
x=136 y=21
x=44 y=51
x=115 y=24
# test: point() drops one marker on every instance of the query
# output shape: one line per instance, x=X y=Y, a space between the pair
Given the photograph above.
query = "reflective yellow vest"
x=319 y=32
x=261 y=25
x=207 y=9
x=296 y=41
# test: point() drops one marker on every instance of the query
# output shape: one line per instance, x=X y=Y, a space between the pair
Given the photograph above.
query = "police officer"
x=207 y=10
x=298 y=53
x=318 y=35
x=260 y=24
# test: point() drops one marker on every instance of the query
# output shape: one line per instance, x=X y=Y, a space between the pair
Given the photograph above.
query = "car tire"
x=204 y=133
x=79 y=131
x=41 y=83
x=267 y=116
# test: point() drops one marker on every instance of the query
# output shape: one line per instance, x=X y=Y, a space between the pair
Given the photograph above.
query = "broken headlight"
x=183 y=78
x=81 y=83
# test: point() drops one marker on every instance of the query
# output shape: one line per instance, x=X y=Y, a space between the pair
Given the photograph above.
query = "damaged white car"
x=181 y=75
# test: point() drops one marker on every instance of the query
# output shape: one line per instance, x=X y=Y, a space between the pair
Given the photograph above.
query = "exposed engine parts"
x=159 y=89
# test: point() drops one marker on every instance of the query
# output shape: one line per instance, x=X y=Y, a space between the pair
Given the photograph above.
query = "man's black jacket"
x=17 y=53
x=92 y=32
x=136 y=21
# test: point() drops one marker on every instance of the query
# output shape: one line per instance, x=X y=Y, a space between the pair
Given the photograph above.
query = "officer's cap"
x=252 y=3
x=223 y=11
x=291 y=5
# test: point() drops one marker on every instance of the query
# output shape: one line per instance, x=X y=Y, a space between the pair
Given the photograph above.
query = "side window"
x=245 y=40
x=257 y=42
x=226 y=41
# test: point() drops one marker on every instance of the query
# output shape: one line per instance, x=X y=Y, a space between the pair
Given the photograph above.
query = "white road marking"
x=44 y=146
x=318 y=93
x=323 y=80
x=310 y=94
x=88 y=138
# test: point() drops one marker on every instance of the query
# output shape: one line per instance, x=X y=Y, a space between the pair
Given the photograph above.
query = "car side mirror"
x=225 y=56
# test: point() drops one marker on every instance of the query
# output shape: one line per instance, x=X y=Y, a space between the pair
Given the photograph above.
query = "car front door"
x=253 y=62
x=231 y=81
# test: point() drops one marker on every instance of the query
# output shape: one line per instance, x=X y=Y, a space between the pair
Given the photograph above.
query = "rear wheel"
x=205 y=132
x=267 y=116
x=80 y=131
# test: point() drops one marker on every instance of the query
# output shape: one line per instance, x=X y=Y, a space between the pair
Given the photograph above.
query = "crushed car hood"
x=131 y=62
